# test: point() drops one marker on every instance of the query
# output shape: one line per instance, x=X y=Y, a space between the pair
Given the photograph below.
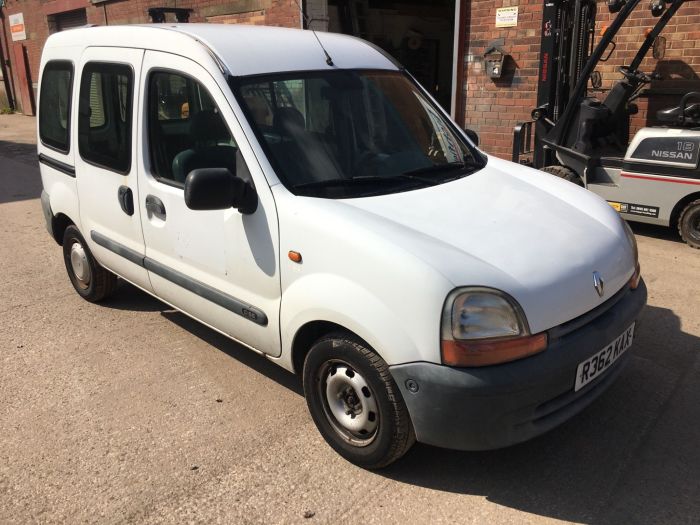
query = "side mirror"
x=659 y=49
x=611 y=47
x=472 y=135
x=219 y=189
x=596 y=80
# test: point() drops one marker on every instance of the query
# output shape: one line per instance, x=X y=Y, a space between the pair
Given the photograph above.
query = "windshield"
x=350 y=133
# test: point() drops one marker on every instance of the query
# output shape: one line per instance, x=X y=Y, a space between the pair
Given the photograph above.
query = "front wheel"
x=689 y=224
x=355 y=402
x=564 y=173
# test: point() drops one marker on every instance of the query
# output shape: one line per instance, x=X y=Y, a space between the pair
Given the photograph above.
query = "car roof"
x=240 y=49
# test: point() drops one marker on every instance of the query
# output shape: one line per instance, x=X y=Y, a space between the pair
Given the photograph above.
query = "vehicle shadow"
x=238 y=352
x=129 y=297
x=666 y=233
x=631 y=457
x=19 y=151
x=20 y=178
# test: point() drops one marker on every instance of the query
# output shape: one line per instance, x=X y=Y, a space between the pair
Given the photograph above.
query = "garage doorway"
x=419 y=34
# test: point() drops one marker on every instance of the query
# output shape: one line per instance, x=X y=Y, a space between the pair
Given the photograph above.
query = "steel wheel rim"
x=349 y=404
x=79 y=265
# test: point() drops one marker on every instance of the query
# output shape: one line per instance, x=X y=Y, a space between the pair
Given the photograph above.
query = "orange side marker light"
x=294 y=256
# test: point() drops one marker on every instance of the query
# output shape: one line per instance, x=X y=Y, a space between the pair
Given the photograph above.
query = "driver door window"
x=186 y=129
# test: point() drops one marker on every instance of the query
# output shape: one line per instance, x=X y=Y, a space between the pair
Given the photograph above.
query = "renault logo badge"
x=598 y=283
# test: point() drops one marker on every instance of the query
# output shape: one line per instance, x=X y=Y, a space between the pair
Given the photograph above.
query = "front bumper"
x=497 y=406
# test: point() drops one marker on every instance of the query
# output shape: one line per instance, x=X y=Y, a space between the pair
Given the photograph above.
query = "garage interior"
x=418 y=34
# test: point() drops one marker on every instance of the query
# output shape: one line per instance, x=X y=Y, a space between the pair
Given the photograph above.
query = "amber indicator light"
x=294 y=256
x=484 y=353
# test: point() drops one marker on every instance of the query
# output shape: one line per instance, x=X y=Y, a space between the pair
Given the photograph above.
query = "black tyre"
x=564 y=173
x=89 y=279
x=689 y=224
x=355 y=402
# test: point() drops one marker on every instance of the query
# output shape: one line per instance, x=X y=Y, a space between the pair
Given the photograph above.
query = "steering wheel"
x=635 y=75
x=365 y=160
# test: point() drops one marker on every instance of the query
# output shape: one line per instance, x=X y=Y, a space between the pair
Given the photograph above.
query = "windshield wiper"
x=447 y=166
x=365 y=179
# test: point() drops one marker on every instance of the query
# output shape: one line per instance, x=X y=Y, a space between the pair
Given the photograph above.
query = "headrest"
x=208 y=125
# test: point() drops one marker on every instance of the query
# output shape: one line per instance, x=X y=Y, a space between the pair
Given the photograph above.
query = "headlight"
x=482 y=314
x=483 y=326
x=637 y=275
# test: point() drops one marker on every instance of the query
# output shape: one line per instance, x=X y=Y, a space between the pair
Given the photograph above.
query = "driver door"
x=220 y=266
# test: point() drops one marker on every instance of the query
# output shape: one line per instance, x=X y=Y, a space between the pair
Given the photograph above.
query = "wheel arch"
x=680 y=205
x=59 y=223
x=311 y=332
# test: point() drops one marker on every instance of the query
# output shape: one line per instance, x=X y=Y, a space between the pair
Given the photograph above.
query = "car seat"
x=305 y=156
x=208 y=131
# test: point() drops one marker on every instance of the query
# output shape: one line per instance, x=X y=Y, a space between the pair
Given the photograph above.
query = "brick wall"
x=493 y=107
x=267 y=12
x=679 y=67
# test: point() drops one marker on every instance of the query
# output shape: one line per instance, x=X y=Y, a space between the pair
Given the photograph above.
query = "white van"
x=308 y=199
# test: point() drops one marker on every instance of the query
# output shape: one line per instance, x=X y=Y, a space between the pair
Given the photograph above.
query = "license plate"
x=593 y=367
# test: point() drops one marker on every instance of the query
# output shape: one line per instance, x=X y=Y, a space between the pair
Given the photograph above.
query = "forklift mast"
x=567 y=39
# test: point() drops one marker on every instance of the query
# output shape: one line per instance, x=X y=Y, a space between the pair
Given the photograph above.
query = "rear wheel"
x=564 y=173
x=689 y=224
x=89 y=279
x=355 y=402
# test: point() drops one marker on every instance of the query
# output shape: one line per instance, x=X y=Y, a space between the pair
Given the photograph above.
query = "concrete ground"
x=131 y=412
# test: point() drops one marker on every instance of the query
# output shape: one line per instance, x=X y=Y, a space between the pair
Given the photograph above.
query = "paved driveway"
x=131 y=412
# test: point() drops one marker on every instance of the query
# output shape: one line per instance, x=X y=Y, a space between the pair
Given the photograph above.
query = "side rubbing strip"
x=57 y=165
x=128 y=254
x=204 y=290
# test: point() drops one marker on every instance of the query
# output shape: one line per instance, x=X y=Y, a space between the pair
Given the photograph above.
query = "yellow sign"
x=507 y=17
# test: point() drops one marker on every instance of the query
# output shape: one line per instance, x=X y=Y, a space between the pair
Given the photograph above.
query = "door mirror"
x=659 y=49
x=596 y=80
x=219 y=189
x=611 y=47
x=472 y=135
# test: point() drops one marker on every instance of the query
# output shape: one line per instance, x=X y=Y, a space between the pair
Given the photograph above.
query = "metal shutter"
x=70 y=19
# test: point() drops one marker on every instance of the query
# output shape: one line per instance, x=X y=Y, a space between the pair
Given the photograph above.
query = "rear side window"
x=55 y=104
x=104 y=122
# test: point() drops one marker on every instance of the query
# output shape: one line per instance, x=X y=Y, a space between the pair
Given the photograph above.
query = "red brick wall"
x=680 y=64
x=493 y=107
x=268 y=12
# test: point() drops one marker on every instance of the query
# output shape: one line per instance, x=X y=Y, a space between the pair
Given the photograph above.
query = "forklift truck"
x=653 y=178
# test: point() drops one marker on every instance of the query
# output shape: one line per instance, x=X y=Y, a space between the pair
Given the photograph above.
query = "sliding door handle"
x=126 y=200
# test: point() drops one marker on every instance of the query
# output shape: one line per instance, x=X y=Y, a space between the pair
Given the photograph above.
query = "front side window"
x=186 y=129
x=348 y=133
x=55 y=104
x=105 y=115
